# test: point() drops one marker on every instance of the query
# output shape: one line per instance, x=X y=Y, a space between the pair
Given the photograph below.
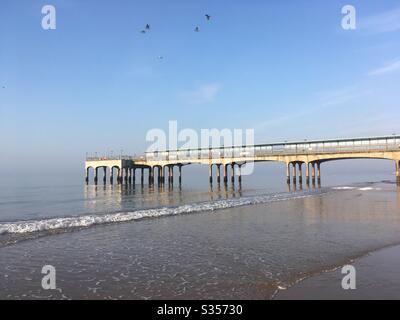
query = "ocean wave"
x=23 y=227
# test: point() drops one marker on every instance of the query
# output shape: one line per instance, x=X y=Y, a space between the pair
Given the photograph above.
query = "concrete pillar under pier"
x=288 y=172
x=225 y=173
x=180 y=173
x=218 y=173
x=398 y=172
x=119 y=175
x=133 y=175
x=307 y=173
x=96 y=172
x=313 y=172
x=319 y=171
x=104 y=175
x=87 y=176
x=300 y=172
x=210 y=177
x=126 y=172
x=150 y=175
x=240 y=173
x=159 y=175
x=294 y=172
x=142 y=176
x=111 y=175
x=233 y=172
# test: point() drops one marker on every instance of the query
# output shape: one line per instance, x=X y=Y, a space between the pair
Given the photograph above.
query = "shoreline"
x=374 y=270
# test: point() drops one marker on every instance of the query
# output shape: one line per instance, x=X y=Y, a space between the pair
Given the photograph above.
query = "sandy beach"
x=377 y=277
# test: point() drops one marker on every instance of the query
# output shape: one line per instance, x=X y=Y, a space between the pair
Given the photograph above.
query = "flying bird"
x=147 y=27
x=143 y=31
x=208 y=17
x=196 y=29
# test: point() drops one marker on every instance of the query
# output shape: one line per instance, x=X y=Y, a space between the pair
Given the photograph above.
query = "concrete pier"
x=295 y=154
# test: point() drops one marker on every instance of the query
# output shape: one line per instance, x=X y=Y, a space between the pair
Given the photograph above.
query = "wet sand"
x=377 y=278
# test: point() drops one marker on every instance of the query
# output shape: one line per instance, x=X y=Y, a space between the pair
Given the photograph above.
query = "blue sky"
x=285 y=68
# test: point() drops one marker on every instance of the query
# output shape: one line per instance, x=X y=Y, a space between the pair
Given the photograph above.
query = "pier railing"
x=376 y=144
x=370 y=144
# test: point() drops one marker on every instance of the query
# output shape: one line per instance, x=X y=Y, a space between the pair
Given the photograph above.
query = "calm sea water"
x=190 y=241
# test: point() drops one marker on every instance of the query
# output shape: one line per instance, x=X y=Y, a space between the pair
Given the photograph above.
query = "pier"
x=225 y=163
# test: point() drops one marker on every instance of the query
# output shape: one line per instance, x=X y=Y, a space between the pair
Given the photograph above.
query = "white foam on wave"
x=344 y=188
x=90 y=220
x=369 y=189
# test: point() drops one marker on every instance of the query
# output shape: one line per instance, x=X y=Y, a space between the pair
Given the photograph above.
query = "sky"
x=286 y=69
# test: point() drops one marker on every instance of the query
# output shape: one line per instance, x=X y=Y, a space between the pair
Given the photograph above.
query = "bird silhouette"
x=143 y=31
x=147 y=27
x=196 y=29
x=208 y=17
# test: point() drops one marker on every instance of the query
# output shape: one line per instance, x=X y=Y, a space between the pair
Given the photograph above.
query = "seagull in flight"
x=147 y=27
x=196 y=29
x=208 y=17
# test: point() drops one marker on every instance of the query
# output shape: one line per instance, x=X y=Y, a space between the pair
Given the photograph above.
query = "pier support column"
x=96 y=171
x=134 y=175
x=172 y=174
x=319 y=172
x=124 y=176
x=218 y=173
x=313 y=172
x=87 y=176
x=210 y=177
x=300 y=172
x=294 y=172
x=119 y=175
x=142 y=176
x=240 y=173
x=233 y=173
x=104 y=175
x=150 y=175
x=225 y=173
x=398 y=172
x=111 y=175
x=180 y=173
x=288 y=172
x=307 y=173
x=158 y=175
